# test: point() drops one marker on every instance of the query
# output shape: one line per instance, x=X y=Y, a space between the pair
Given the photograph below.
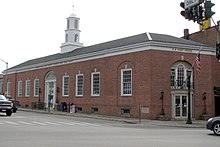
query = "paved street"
x=44 y=130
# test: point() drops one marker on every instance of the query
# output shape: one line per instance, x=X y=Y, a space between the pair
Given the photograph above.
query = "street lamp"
x=6 y=71
x=189 y=121
x=161 y=97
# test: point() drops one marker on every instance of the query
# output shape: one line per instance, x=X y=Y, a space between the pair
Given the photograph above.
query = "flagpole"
x=196 y=55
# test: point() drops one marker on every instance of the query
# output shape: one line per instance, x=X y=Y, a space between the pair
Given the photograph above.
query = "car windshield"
x=2 y=97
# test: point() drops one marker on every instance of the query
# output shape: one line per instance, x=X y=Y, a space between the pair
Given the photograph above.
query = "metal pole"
x=139 y=113
x=189 y=121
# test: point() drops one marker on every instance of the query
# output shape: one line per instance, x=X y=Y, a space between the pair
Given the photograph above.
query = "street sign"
x=191 y=3
x=205 y=24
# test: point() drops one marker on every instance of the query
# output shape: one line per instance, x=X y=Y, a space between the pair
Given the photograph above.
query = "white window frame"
x=27 y=88
x=36 y=87
x=9 y=88
x=92 y=84
x=64 y=86
x=77 y=82
x=19 y=88
x=122 y=82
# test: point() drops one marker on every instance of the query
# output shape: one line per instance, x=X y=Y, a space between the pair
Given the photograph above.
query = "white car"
x=6 y=106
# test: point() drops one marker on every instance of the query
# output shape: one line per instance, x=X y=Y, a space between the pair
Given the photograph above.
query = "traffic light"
x=218 y=50
x=200 y=13
x=183 y=13
x=187 y=13
x=208 y=9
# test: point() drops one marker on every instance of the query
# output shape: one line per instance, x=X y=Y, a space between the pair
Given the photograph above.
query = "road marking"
x=65 y=123
x=84 y=124
x=39 y=123
x=12 y=123
x=26 y=123
x=51 y=123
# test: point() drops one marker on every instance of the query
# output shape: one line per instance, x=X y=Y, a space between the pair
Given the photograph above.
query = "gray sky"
x=35 y=28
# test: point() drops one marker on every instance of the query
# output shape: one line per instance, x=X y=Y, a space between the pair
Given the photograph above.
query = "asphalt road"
x=28 y=129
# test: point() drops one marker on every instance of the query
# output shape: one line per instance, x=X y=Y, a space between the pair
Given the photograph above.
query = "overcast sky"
x=35 y=28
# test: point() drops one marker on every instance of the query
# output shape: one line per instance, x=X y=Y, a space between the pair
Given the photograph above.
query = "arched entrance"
x=50 y=89
x=179 y=90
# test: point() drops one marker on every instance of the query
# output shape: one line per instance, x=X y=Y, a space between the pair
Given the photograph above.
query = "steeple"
x=72 y=35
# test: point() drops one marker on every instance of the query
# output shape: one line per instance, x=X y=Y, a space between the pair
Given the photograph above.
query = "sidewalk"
x=172 y=123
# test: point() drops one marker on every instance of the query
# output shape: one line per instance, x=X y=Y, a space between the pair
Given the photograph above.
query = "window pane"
x=95 y=84
x=27 y=88
x=65 y=86
x=19 y=88
x=8 y=88
x=126 y=82
x=172 y=77
x=36 y=87
x=180 y=75
x=79 y=85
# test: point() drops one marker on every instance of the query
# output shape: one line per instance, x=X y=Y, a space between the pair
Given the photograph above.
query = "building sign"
x=190 y=3
x=205 y=25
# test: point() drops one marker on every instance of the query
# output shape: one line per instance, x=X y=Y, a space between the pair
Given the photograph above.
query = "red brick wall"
x=150 y=76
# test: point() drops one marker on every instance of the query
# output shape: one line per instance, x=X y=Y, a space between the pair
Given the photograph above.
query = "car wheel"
x=8 y=112
x=14 y=110
x=216 y=128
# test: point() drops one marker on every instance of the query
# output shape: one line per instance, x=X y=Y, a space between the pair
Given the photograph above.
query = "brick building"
x=132 y=76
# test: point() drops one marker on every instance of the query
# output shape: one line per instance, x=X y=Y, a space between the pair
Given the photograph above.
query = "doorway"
x=180 y=106
x=50 y=90
x=217 y=105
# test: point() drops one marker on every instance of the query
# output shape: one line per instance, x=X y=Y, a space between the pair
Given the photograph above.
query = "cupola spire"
x=72 y=34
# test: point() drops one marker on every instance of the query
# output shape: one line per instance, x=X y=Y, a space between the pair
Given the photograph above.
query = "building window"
x=125 y=112
x=66 y=38
x=79 y=109
x=76 y=38
x=27 y=88
x=95 y=85
x=172 y=77
x=9 y=88
x=19 y=88
x=126 y=82
x=68 y=24
x=76 y=24
x=36 y=87
x=180 y=75
x=79 y=85
x=65 y=86
x=94 y=109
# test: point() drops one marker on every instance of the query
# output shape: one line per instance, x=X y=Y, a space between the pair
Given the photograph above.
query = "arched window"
x=50 y=76
x=76 y=39
x=180 y=75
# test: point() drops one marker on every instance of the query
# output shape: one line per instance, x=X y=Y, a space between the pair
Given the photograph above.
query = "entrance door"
x=50 y=94
x=217 y=105
x=180 y=106
x=50 y=89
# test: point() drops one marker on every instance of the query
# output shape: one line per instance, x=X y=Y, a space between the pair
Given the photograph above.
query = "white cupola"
x=72 y=35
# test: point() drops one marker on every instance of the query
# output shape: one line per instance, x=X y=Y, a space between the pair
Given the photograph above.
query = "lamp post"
x=204 y=99
x=189 y=121
x=161 y=97
x=6 y=71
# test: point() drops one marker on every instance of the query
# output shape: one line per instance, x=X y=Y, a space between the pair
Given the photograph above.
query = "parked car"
x=15 y=103
x=213 y=124
x=6 y=106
